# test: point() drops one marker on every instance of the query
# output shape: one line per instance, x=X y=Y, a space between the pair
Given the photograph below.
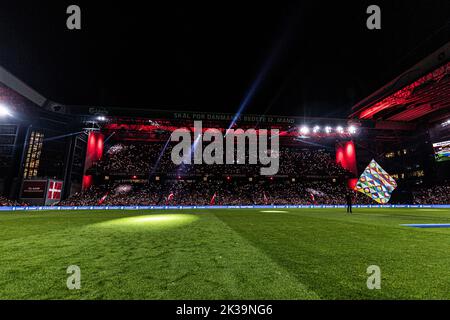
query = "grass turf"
x=225 y=254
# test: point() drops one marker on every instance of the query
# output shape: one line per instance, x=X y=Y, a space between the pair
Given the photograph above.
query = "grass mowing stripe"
x=275 y=278
x=331 y=256
x=200 y=260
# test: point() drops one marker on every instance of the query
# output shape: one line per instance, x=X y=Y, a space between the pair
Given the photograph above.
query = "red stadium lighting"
x=134 y=177
x=228 y=178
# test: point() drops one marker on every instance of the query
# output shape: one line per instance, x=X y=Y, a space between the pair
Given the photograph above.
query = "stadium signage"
x=230 y=117
x=33 y=189
x=70 y=208
x=213 y=153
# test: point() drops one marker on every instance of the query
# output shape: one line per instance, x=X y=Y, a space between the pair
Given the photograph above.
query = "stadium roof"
x=422 y=93
x=21 y=87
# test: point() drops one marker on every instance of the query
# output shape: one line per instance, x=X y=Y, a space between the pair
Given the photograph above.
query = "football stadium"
x=113 y=201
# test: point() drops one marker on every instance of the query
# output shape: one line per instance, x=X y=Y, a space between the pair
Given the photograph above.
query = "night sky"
x=305 y=58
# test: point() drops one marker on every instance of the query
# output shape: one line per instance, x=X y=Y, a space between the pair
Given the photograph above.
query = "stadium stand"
x=7 y=202
x=138 y=159
x=306 y=176
x=436 y=194
x=226 y=193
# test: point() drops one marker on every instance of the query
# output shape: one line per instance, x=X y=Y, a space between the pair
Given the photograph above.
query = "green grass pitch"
x=225 y=254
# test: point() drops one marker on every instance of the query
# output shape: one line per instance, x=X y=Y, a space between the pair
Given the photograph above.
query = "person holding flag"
x=266 y=200
x=102 y=199
x=313 y=199
x=213 y=199
x=169 y=198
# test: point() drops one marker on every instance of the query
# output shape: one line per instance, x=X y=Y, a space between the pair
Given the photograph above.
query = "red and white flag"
x=313 y=199
x=266 y=200
x=169 y=197
x=54 y=190
x=213 y=200
x=102 y=199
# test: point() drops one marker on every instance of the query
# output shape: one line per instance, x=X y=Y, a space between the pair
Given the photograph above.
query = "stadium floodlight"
x=316 y=129
x=352 y=129
x=339 y=129
x=304 y=130
x=4 y=111
x=327 y=129
x=101 y=118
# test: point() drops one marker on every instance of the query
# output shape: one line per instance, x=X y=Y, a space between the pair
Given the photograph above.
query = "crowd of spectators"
x=9 y=203
x=151 y=159
x=233 y=192
x=155 y=158
x=185 y=192
x=438 y=194
x=305 y=176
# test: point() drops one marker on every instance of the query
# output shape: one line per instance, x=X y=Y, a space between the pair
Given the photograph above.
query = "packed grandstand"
x=143 y=174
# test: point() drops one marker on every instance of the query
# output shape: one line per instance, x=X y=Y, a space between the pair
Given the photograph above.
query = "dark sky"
x=312 y=58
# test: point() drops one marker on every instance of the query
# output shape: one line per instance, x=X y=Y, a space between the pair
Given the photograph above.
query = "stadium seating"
x=306 y=176
x=138 y=159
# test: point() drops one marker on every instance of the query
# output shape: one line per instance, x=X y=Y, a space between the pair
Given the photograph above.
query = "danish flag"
x=54 y=190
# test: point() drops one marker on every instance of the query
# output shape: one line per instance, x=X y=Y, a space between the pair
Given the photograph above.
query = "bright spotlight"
x=327 y=129
x=153 y=221
x=352 y=129
x=446 y=123
x=316 y=129
x=101 y=118
x=4 y=111
x=304 y=130
x=339 y=129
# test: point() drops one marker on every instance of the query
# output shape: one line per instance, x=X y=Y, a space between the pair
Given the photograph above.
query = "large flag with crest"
x=376 y=183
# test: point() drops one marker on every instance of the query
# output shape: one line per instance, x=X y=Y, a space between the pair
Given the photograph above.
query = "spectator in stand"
x=438 y=194
x=4 y=202
x=189 y=192
x=314 y=172
x=141 y=159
